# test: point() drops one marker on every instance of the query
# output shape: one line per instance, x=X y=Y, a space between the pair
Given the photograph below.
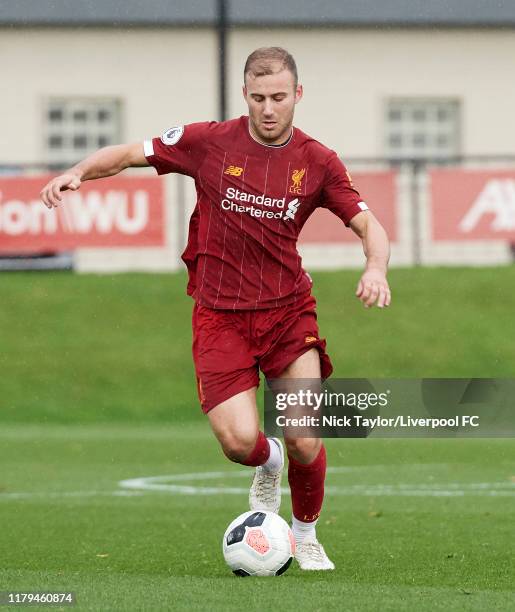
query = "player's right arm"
x=104 y=162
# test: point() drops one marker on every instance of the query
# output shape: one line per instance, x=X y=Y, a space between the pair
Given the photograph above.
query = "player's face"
x=271 y=100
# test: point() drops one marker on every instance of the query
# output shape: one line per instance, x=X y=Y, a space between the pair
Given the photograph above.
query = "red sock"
x=307 y=486
x=260 y=453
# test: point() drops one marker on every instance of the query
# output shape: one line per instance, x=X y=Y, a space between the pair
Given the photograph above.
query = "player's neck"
x=280 y=142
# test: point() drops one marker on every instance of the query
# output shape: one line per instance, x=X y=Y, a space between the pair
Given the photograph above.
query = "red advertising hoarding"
x=378 y=190
x=472 y=204
x=112 y=212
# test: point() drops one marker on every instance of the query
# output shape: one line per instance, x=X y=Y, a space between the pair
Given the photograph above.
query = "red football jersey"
x=252 y=201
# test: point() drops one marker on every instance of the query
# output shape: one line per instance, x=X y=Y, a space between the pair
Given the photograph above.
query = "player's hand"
x=51 y=192
x=373 y=289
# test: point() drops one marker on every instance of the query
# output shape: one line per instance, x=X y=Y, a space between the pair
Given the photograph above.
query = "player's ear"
x=299 y=92
x=244 y=89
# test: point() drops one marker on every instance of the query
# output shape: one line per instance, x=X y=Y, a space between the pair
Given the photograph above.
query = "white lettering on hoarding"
x=80 y=213
x=497 y=198
x=135 y=224
x=14 y=218
x=41 y=219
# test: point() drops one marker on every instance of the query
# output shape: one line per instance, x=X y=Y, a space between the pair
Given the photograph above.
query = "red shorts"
x=230 y=346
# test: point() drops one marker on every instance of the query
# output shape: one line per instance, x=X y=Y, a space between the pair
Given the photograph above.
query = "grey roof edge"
x=146 y=24
x=262 y=13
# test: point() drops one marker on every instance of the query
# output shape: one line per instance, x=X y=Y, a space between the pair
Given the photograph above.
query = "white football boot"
x=310 y=555
x=265 y=492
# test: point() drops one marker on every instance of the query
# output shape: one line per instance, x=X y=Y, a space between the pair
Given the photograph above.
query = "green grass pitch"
x=97 y=387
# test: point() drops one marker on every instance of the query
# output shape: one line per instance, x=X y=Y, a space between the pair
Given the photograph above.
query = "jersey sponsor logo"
x=172 y=135
x=258 y=206
x=234 y=171
x=296 y=181
x=292 y=209
x=497 y=199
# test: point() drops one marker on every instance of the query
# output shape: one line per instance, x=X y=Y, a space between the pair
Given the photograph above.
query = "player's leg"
x=297 y=351
x=235 y=423
x=306 y=366
x=236 y=426
x=227 y=378
x=306 y=476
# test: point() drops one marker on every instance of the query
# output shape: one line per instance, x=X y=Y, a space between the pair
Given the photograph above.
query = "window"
x=75 y=127
x=422 y=128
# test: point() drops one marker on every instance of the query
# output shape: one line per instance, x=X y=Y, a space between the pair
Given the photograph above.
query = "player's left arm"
x=373 y=287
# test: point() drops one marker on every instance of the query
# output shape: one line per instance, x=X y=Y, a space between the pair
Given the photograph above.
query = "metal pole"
x=222 y=55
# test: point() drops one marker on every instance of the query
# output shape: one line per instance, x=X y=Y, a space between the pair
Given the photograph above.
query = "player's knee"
x=304 y=450
x=238 y=448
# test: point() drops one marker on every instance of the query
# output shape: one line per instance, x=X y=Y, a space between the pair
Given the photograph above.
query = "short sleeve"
x=339 y=194
x=180 y=149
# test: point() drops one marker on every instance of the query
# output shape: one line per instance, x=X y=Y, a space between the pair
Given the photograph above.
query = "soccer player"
x=258 y=179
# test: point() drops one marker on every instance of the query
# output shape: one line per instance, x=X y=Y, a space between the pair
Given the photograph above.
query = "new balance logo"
x=234 y=171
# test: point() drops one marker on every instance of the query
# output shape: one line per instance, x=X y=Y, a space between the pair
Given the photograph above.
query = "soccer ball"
x=258 y=543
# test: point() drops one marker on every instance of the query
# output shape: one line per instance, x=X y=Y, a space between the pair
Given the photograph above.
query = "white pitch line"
x=178 y=484
x=59 y=494
x=455 y=489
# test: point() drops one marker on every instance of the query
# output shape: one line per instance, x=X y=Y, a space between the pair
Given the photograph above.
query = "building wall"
x=349 y=74
x=163 y=77
x=167 y=76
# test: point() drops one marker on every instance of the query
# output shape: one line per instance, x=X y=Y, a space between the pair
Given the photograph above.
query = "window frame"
x=431 y=105
x=68 y=130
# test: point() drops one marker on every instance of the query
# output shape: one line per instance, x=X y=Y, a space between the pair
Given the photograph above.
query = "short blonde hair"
x=264 y=61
